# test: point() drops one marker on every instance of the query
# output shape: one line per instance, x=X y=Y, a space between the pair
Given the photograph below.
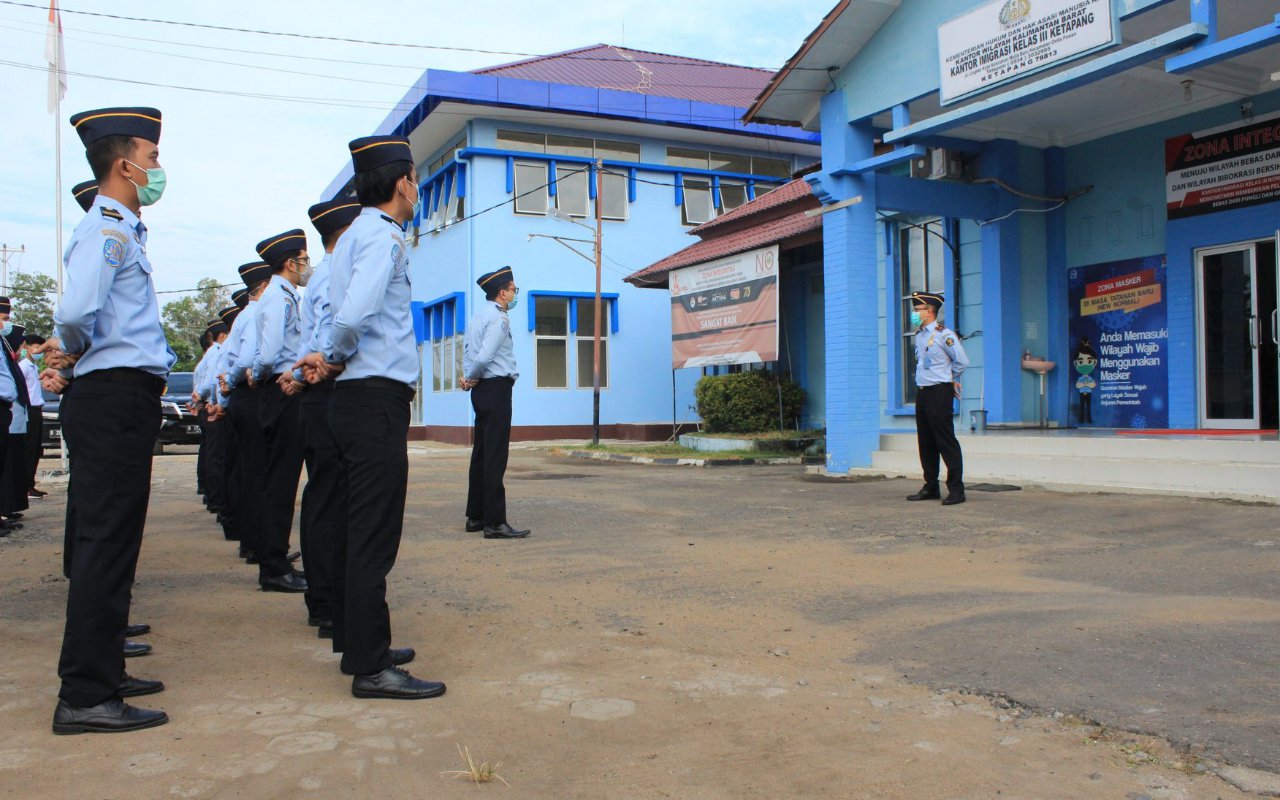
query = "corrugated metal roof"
x=604 y=66
x=788 y=221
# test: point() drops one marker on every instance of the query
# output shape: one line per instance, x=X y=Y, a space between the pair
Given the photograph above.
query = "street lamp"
x=596 y=247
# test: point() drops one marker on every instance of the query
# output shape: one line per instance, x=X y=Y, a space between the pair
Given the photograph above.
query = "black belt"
x=938 y=385
x=506 y=378
x=325 y=385
x=137 y=378
x=381 y=384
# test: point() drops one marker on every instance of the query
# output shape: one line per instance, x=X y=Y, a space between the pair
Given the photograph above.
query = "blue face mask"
x=7 y=329
x=512 y=304
x=916 y=321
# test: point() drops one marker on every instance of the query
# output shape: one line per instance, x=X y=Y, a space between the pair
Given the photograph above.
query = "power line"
x=402 y=45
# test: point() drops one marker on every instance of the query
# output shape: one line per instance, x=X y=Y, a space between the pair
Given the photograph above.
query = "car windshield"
x=179 y=383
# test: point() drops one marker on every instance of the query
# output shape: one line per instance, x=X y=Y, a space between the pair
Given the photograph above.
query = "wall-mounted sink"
x=1037 y=365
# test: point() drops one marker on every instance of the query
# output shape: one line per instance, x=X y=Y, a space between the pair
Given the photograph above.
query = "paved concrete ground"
x=676 y=632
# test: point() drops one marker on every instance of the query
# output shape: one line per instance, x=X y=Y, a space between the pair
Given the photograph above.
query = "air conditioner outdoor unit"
x=938 y=164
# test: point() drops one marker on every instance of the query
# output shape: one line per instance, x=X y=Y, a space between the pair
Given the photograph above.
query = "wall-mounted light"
x=1186 y=90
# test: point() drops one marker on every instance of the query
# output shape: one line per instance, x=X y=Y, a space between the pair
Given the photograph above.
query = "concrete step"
x=1178 y=467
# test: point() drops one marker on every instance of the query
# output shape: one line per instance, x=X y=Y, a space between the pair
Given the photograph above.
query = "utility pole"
x=6 y=252
x=595 y=344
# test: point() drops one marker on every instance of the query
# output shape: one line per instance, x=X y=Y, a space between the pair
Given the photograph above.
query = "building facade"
x=1092 y=184
x=507 y=165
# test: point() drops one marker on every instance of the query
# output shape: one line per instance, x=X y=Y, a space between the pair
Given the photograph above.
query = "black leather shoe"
x=137 y=629
x=113 y=716
x=926 y=492
x=394 y=683
x=503 y=531
x=251 y=558
x=288 y=582
x=325 y=630
x=319 y=621
x=294 y=556
x=953 y=499
x=474 y=525
x=135 y=687
x=132 y=649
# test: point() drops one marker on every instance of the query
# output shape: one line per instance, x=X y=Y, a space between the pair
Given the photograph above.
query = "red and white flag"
x=56 y=56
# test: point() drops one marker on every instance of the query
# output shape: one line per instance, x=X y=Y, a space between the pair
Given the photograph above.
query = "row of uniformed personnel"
x=326 y=378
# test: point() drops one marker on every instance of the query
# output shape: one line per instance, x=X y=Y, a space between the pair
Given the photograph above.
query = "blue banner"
x=1119 y=340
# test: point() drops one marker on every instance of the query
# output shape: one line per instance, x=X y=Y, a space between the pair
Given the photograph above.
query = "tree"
x=32 y=295
x=185 y=319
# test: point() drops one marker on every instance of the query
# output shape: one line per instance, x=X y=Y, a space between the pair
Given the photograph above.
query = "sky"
x=241 y=168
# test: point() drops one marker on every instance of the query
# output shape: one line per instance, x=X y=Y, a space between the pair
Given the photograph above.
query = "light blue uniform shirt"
x=8 y=387
x=205 y=379
x=231 y=350
x=487 y=351
x=246 y=349
x=940 y=358
x=316 y=317
x=369 y=292
x=279 y=329
x=109 y=311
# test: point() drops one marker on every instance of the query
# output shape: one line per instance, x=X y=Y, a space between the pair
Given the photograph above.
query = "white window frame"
x=542 y=167
x=685 y=217
x=589 y=341
x=574 y=171
x=562 y=338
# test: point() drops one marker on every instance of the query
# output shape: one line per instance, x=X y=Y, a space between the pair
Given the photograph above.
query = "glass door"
x=1229 y=337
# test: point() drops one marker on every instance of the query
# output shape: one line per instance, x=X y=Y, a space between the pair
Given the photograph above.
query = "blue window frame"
x=563 y=330
x=443 y=325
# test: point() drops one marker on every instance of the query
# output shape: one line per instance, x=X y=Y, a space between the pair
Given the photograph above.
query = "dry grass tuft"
x=484 y=772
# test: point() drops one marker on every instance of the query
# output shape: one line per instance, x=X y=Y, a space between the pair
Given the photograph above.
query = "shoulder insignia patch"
x=395 y=255
x=111 y=213
x=113 y=252
x=115 y=234
x=950 y=341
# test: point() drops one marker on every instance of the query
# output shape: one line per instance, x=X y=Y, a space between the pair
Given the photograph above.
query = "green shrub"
x=747 y=402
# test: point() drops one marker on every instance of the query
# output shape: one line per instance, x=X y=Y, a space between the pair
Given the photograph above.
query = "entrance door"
x=1238 y=383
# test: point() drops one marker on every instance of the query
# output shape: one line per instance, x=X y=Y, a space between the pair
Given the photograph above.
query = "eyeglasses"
x=302 y=260
x=515 y=290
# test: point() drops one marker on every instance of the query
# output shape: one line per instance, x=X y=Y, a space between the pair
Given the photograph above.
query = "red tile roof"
x=720 y=238
x=603 y=66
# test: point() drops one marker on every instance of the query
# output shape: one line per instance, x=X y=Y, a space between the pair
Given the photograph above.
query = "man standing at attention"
x=489 y=373
x=113 y=347
x=940 y=359
x=369 y=346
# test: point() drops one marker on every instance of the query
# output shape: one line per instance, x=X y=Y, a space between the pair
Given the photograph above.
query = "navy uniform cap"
x=370 y=152
x=5 y=306
x=94 y=125
x=240 y=297
x=228 y=315
x=216 y=328
x=255 y=272
x=273 y=249
x=84 y=193
x=333 y=215
x=496 y=278
x=928 y=298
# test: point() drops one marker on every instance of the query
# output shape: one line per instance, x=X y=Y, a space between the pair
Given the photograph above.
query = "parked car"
x=177 y=424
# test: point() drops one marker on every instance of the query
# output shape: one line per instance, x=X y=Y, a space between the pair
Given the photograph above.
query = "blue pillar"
x=1061 y=386
x=1001 y=290
x=849 y=267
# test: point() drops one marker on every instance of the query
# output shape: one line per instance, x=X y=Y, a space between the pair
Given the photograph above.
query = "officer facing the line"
x=940 y=359
x=489 y=373
x=113 y=346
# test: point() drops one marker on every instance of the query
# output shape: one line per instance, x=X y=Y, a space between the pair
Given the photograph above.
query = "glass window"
x=773 y=167
x=457 y=354
x=436 y=352
x=551 y=342
x=571 y=189
x=617 y=151
x=727 y=162
x=616 y=204
x=697 y=202
x=569 y=146
x=519 y=140
x=684 y=157
x=732 y=195
x=586 y=343
x=922 y=256
x=531 y=189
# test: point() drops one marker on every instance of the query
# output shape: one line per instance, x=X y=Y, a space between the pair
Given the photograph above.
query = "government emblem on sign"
x=1013 y=12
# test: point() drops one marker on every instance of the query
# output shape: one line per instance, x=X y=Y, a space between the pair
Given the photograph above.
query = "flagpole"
x=56 y=88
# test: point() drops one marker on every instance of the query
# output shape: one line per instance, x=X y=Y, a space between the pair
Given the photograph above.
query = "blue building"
x=1092 y=183
x=500 y=149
